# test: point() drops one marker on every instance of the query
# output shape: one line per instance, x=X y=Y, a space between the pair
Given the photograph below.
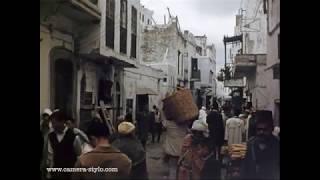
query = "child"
x=212 y=168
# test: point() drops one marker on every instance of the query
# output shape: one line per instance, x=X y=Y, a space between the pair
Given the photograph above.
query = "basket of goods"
x=237 y=151
x=180 y=106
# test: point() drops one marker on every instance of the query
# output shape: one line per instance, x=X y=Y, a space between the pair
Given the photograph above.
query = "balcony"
x=196 y=75
x=81 y=11
x=245 y=65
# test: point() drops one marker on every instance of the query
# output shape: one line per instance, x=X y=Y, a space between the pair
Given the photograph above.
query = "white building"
x=273 y=57
x=249 y=58
x=259 y=23
x=84 y=48
x=207 y=65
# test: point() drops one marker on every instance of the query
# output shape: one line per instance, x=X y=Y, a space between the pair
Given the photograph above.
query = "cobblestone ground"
x=156 y=168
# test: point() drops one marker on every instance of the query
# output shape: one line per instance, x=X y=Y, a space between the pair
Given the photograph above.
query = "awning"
x=145 y=91
x=98 y=58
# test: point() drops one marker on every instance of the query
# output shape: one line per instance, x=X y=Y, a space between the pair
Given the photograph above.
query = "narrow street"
x=206 y=73
x=156 y=167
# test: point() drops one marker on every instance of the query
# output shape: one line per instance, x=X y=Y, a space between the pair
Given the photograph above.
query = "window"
x=123 y=27
x=129 y=107
x=199 y=50
x=194 y=64
x=134 y=32
x=149 y=22
x=142 y=18
x=110 y=6
x=164 y=79
x=179 y=62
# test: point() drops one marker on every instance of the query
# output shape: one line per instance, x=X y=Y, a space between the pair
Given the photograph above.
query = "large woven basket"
x=180 y=106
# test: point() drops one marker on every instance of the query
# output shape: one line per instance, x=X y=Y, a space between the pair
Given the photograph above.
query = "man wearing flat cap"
x=262 y=159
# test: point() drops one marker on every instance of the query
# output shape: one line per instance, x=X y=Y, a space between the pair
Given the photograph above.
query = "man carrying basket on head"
x=179 y=110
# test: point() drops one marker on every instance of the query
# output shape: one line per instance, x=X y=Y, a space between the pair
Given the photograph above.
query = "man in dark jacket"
x=143 y=126
x=64 y=146
x=128 y=144
x=216 y=130
x=262 y=159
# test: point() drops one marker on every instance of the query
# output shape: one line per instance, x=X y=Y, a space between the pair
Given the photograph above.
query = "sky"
x=214 y=18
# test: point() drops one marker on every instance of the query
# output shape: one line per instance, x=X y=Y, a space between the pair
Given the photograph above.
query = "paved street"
x=156 y=168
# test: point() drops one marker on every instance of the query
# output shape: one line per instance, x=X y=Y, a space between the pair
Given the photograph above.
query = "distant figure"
x=45 y=124
x=262 y=160
x=128 y=144
x=143 y=126
x=212 y=168
x=216 y=130
x=151 y=122
x=157 y=125
x=45 y=129
x=203 y=115
x=251 y=125
x=276 y=131
x=243 y=118
x=234 y=129
x=103 y=156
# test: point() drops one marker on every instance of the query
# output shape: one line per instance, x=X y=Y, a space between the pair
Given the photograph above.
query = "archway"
x=63 y=91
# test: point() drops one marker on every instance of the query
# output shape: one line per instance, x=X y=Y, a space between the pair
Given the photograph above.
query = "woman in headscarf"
x=190 y=163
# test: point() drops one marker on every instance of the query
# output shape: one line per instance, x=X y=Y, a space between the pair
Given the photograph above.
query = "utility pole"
x=169 y=12
x=225 y=53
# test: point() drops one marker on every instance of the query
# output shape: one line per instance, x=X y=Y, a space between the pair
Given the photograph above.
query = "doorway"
x=63 y=86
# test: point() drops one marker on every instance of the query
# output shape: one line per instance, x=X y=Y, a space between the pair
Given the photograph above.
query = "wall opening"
x=123 y=27
x=63 y=86
x=110 y=7
x=134 y=32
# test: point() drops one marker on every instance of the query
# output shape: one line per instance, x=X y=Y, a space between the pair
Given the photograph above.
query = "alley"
x=206 y=73
x=156 y=167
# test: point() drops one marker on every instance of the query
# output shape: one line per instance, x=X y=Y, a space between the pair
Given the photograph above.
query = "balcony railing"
x=245 y=64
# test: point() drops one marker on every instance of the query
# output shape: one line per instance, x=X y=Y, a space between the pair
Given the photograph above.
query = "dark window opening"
x=164 y=79
x=134 y=32
x=123 y=27
x=118 y=90
x=194 y=64
x=110 y=6
x=199 y=50
x=179 y=62
x=142 y=18
x=63 y=85
x=129 y=106
x=104 y=91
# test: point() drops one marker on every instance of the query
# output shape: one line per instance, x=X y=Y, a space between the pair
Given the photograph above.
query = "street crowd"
x=192 y=150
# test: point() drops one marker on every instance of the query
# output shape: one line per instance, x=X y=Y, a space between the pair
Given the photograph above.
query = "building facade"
x=84 y=49
x=258 y=57
x=249 y=58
